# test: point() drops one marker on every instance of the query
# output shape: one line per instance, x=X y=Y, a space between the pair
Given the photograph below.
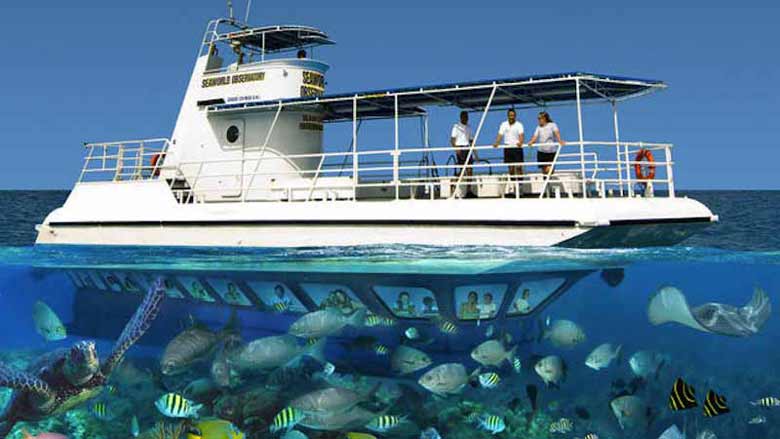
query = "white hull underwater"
x=146 y=213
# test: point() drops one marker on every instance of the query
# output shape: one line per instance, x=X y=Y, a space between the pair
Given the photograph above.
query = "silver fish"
x=446 y=379
x=646 y=364
x=602 y=356
x=355 y=418
x=492 y=353
x=672 y=433
x=407 y=360
x=326 y=322
x=564 y=334
x=294 y=434
x=412 y=333
x=273 y=352
x=329 y=400
x=135 y=429
x=551 y=369
x=195 y=344
x=630 y=411
x=760 y=419
x=47 y=323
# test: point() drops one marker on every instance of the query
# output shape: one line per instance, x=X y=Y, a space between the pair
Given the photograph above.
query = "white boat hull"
x=146 y=213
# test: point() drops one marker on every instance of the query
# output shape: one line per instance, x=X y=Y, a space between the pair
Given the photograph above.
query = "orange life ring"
x=642 y=155
x=154 y=160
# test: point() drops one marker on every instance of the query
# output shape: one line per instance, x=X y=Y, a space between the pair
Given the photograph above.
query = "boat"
x=246 y=164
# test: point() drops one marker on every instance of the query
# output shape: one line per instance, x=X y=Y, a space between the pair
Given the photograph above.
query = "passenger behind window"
x=280 y=300
x=521 y=305
x=429 y=306
x=338 y=299
x=403 y=305
x=487 y=309
x=470 y=308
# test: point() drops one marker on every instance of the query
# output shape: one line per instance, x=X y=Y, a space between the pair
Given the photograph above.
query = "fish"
x=195 y=344
x=683 y=396
x=430 y=433
x=100 y=410
x=281 y=307
x=384 y=423
x=672 y=433
x=769 y=401
x=760 y=419
x=645 y=364
x=562 y=426
x=326 y=322
x=552 y=370
x=669 y=304
x=412 y=333
x=517 y=365
x=489 y=380
x=489 y=331
x=407 y=360
x=715 y=405
x=706 y=434
x=135 y=428
x=591 y=436
x=491 y=423
x=602 y=356
x=373 y=320
x=564 y=334
x=294 y=434
x=631 y=412
x=275 y=351
x=613 y=276
x=492 y=353
x=215 y=429
x=446 y=379
x=381 y=350
x=445 y=326
x=111 y=390
x=27 y=435
x=359 y=435
x=348 y=420
x=174 y=405
x=47 y=323
x=328 y=369
x=286 y=419
x=330 y=399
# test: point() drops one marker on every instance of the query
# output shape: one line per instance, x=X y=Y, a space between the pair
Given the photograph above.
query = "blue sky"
x=93 y=71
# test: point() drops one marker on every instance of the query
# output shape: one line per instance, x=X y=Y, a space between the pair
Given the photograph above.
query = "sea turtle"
x=63 y=379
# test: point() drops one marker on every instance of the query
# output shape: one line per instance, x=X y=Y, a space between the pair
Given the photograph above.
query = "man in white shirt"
x=512 y=133
x=461 y=139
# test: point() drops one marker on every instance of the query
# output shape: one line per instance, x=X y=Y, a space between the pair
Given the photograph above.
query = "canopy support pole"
x=396 y=153
x=617 y=147
x=582 y=144
x=474 y=141
x=354 y=148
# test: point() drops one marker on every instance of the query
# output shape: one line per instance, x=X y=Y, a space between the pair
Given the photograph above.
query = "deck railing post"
x=354 y=149
x=582 y=144
x=669 y=170
x=617 y=147
x=396 y=154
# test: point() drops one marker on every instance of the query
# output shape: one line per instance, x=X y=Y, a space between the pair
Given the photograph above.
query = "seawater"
x=605 y=292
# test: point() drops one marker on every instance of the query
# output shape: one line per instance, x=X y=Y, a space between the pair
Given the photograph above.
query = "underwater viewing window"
x=531 y=294
x=333 y=296
x=479 y=302
x=229 y=291
x=195 y=288
x=277 y=296
x=408 y=302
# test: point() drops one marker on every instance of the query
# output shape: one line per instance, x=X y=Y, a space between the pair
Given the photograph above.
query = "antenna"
x=230 y=8
x=248 y=8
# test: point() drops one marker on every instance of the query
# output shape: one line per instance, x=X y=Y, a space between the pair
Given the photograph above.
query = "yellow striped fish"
x=288 y=418
x=311 y=341
x=769 y=401
x=381 y=349
x=100 y=411
x=683 y=396
x=384 y=423
x=517 y=365
x=281 y=306
x=591 y=436
x=447 y=326
x=715 y=405
x=375 y=320
x=174 y=405
x=563 y=426
x=489 y=380
x=492 y=423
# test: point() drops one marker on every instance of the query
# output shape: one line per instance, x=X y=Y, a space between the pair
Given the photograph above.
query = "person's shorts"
x=462 y=154
x=545 y=158
x=513 y=154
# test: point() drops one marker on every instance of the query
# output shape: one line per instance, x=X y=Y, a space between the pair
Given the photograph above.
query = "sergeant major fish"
x=491 y=423
x=174 y=405
x=489 y=380
x=769 y=401
x=286 y=419
x=384 y=423
x=326 y=322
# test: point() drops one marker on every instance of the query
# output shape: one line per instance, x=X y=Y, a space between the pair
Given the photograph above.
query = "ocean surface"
x=397 y=341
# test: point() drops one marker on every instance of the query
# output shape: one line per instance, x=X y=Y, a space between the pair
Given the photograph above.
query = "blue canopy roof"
x=540 y=90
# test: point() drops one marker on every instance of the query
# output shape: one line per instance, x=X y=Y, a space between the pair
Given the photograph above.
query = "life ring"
x=642 y=155
x=153 y=161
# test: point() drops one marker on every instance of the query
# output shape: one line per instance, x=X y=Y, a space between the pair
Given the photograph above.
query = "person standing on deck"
x=461 y=139
x=547 y=134
x=512 y=133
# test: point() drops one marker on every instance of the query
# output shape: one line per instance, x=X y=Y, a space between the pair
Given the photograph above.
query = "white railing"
x=579 y=169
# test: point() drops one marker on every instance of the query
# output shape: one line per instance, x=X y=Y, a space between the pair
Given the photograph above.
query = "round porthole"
x=233 y=134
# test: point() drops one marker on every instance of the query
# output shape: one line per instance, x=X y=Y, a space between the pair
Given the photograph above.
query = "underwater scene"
x=396 y=341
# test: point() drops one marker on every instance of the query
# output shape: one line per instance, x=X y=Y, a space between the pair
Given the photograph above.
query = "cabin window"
x=276 y=296
x=230 y=292
x=233 y=134
x=530 y=295
x=333 y=296
x=196 y=289
x=408 y=302
x=479 y=302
